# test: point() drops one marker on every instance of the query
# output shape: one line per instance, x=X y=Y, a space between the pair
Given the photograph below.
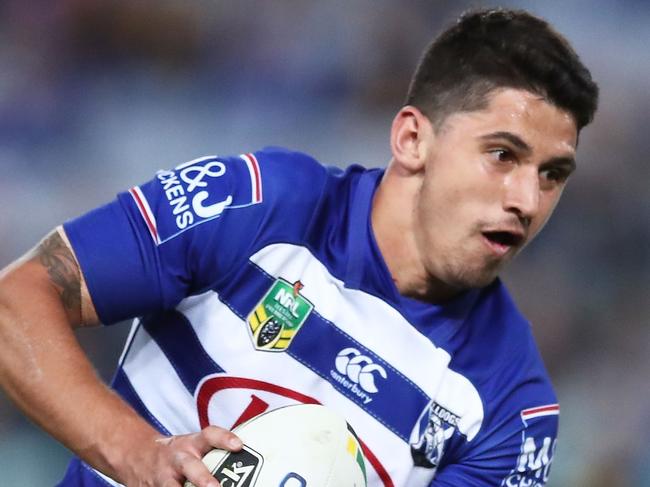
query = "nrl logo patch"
x=278 y=316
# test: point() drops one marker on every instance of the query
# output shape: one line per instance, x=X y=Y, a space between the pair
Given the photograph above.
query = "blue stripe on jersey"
x=122 y=385
x=318 y=350
x=319 y=354
x=175 y=336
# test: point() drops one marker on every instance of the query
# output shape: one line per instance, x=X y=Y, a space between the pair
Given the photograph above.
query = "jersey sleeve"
x=179 y=233
x=516 y=438
x=517 y=453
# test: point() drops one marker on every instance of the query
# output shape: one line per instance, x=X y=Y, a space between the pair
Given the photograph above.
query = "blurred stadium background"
x=95 y=96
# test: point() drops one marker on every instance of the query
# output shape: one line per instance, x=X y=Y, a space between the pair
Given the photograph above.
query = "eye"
x=555 y=174
x=503 y=155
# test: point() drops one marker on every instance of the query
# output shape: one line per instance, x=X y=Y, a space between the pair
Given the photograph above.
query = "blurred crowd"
x=96 y=95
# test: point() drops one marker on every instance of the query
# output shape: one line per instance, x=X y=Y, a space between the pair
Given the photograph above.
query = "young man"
x=266 y=279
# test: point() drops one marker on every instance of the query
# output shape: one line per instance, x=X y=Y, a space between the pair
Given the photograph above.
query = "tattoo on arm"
x=63 y=270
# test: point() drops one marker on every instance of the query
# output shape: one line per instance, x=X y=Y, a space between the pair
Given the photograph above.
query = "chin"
x=486 y=281
x=473 y=278
x=475 y=283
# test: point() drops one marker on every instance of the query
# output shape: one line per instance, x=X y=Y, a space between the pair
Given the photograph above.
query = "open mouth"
x=503 y=239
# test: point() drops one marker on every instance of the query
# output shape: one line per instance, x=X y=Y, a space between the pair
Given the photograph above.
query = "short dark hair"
x=498 y=48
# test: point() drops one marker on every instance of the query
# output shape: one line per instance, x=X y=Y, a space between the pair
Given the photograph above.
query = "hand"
x=178 y=458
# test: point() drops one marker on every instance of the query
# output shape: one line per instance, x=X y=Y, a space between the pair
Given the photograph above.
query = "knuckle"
x=215 y=434
x=213 y=430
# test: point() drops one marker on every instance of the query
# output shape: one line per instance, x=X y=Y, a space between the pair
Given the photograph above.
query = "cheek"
x=456 y=193
x=445 y=212
x=547 y=207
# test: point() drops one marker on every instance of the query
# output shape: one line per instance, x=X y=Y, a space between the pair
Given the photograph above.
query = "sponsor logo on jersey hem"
x=278 y=316
x=534 y=463
x=537 y=451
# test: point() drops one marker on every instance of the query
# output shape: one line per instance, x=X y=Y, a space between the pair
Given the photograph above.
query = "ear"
x=408 y=136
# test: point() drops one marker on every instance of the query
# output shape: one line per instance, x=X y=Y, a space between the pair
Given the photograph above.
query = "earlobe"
x=406 y=138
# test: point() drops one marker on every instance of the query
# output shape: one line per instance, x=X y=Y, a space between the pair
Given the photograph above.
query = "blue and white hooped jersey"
x=258 y=284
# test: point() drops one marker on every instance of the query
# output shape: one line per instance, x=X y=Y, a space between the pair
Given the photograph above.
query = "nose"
x=521 y=193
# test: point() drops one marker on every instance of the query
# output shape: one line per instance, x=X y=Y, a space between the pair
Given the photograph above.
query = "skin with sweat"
x=460 y=201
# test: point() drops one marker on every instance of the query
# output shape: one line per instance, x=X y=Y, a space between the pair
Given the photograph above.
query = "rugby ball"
x=306 y=445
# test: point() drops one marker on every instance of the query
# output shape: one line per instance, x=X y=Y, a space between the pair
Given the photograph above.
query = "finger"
x=221 y=438
x=196 y=472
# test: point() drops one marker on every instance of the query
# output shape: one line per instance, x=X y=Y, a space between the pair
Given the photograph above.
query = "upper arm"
x=62 y=265
x=51 y=269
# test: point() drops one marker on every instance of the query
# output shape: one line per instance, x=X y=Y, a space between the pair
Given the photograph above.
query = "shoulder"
x=302 y=192
x=242 y=187
x=504 y=361
x=297 y=181
x=290 y=169
x=521 y=410
x=499 y=335
x=285 y=170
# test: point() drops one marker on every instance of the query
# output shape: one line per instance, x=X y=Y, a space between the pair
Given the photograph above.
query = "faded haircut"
x=497 y=48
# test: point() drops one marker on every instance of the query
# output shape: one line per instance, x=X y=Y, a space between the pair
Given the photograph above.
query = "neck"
x=393 y=220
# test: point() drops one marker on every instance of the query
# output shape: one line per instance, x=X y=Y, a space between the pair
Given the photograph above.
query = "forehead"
x=541 y=124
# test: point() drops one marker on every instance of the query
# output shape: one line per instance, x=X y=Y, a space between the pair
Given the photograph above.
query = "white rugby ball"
x=305 y=445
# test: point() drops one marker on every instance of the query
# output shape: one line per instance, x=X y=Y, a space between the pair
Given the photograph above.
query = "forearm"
x=45 y=372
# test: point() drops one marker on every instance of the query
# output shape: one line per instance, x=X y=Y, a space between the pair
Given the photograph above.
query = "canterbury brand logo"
x=359 y=368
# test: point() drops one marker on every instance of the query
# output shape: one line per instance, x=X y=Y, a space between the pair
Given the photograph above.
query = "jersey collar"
x=367 y=270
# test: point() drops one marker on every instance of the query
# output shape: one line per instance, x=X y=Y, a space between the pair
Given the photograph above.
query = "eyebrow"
x=521 y=144
x=568 y=162
x=510 y=137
